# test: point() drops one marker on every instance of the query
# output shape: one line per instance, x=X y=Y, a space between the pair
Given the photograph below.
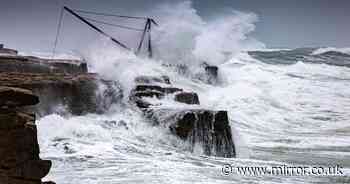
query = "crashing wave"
x=331 y=49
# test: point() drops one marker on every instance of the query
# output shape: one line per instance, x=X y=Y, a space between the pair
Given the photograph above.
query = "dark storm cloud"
x=31 y=24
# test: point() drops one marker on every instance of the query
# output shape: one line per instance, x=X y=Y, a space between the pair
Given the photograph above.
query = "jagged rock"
x=170 y=90
x=48 y=182
x=159 y=92
x=149 y=90
x=79 y=93
x=212 y=71
x=166 y=90
x=19 y=149
x=141 y=94
x=142 y=103
x=210 y=129
x=212 y=74
x=17 y=97
x=32 y=169
x=152 y=79
x=187 y=97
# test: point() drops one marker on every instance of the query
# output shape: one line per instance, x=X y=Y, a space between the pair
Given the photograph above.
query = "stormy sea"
x=286 y=107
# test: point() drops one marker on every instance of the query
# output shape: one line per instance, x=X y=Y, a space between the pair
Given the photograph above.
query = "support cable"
x=96 y=28
x=146 y=30
x=109 y=15
x=58 y=32
x=114 y=25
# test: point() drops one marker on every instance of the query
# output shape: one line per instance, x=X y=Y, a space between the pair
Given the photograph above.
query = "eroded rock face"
x=29 y=64
x=19 y=148
x=78 y=93
x=187 y=97
x=64 y=86
x=207 y=128
x=212 y=74
x=149 y=87
x=16 y=97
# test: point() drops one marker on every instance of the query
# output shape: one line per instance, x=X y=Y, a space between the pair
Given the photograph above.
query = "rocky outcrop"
x=19 y=149
x=16 y=97
x=208 y=73
x=212 y=74
x=63 y=86
x=30 y=64
x=79 y=93
x=207 y=128
x=187 y=97
x=6 y=51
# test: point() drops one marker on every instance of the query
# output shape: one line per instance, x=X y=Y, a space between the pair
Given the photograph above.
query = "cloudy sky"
x=30 y=25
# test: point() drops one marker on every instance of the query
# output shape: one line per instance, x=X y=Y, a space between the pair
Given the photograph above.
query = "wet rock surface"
x=208 y=128
x=79 y=93
x=187 y=97
x=30 y=64
x=19 y=149
x=212 y=74
x=16 y=97
x=60 y=85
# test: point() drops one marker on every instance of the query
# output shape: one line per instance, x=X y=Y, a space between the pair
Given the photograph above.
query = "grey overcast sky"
x=30 y=25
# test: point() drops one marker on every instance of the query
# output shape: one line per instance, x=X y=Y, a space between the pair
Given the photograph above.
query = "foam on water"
x=279 y=114
x=298 y=110
x=327 y=49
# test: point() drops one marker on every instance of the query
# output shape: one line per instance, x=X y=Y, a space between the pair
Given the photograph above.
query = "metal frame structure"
x=145 y=31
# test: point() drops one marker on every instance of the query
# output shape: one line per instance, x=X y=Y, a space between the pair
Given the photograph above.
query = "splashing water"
x=295 y=114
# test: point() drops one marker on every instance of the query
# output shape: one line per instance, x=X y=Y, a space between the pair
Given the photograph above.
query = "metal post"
x=150 y=52
x=142 y=37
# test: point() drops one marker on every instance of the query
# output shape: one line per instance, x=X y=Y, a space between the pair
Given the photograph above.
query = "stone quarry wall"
x=29 y=64
x=19 y=149
x=78 y=93
x=59 y=83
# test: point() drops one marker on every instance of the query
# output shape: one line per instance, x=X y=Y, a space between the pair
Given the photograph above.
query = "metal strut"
x=150 y=52
x=147 y=29
x=96 y=28
x=57 y=33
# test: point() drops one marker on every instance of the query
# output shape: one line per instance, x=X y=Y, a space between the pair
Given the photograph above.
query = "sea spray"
x=279 y=114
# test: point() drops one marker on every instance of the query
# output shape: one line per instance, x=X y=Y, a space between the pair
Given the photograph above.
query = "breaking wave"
x=285 y=107
x=328 y=49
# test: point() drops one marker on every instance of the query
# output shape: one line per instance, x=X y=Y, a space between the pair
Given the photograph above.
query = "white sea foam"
x=279 y=114
x=327 y=49
x=48 y=55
